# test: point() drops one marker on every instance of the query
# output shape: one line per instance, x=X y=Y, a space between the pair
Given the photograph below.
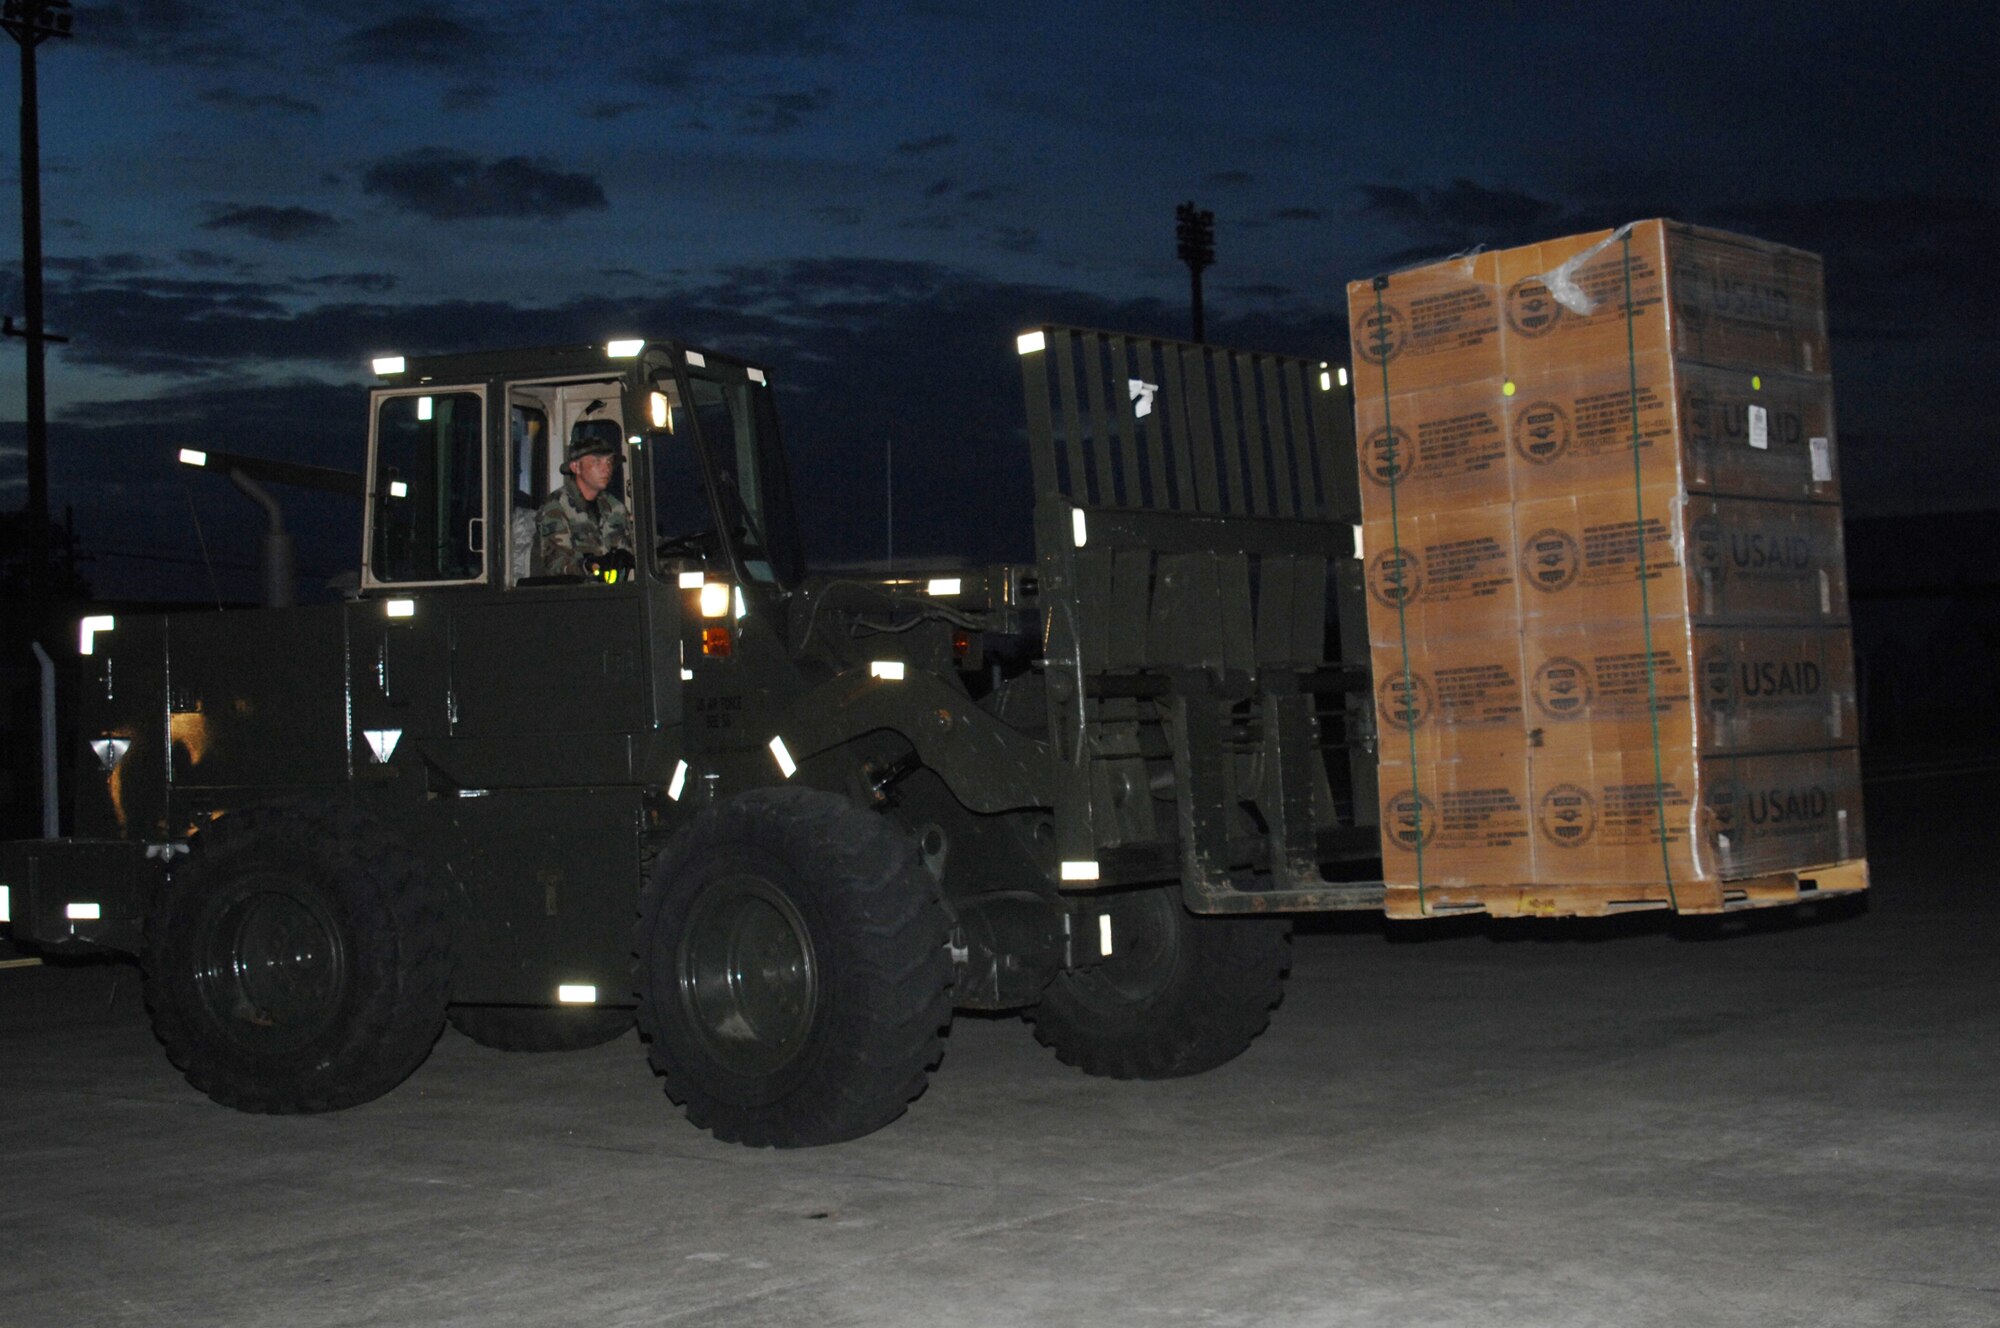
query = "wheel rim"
x=271 y=966
x=749 y=982
x=1148 y=951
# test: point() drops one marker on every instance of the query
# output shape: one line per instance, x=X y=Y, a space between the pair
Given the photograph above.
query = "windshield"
x=740 y=427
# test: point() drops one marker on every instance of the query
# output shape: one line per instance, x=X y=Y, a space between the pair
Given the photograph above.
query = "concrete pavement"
x=1790 y=1121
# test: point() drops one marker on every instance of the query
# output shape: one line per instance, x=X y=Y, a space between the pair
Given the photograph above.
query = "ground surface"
x=1536 y=1125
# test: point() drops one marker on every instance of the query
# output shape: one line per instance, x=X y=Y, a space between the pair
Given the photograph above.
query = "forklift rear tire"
x=298 y=961
x=1183 y=993
x=540 y=1027
x=793 y=972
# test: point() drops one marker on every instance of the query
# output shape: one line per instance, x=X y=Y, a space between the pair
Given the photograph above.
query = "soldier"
x=583 y=521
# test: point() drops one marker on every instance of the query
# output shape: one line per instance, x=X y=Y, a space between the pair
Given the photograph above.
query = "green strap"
x=1645 y=597
x=1394 y=459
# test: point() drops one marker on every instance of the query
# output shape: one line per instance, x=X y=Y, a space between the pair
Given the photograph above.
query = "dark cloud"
x=1295 y=214
x=375 y=283
x=930 y=144
x=177 y=33
x=940 y=188
x=230 y=99
x=614 y=110
x=780 y=112
x=837 y=215
x=758 y=27
x=1017 y=240
x=208 y=258
x=267 y=222
x=415 y=40
x=447 y=185
x=97 y=265
x=1230 y=178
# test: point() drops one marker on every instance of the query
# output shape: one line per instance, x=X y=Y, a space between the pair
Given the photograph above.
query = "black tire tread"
x=891 y=981
x=1232 y=975
x=411 y=973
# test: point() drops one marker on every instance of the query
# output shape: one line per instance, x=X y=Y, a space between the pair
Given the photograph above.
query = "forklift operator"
x=583 y=521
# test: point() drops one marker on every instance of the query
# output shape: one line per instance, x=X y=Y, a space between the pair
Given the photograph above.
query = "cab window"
x=427 y=509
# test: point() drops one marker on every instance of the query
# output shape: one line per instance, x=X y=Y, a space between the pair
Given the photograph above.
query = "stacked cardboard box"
x=1607 y=597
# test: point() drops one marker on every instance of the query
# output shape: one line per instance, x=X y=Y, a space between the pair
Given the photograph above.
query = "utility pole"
x=30 y=23
x=1195 y=229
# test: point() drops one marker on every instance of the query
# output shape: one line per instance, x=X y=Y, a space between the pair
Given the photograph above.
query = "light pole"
x=1195 y=229
x=30 y=23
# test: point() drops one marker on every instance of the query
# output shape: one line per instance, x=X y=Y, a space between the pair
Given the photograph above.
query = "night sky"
x=244 y=203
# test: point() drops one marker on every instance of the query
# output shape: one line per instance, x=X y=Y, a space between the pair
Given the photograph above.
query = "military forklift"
x=785 y=823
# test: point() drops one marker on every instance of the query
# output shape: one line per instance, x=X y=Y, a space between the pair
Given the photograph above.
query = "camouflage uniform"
x=568 y=536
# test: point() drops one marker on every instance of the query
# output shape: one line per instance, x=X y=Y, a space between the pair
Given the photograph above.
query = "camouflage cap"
x=593 y=438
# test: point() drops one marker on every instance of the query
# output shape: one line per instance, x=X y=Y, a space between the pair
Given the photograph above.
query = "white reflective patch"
x=382 y=742
x=110 y=751
x=623 y=350
x=399 y=608
x=687 y=675
x=1030 y=342
x=389 y=364
x=741 y=609
x=890 y=670
x=678 y=785
x=1079 y=871
x=1357 y=541
x=87 y=630
x=944 y=585
x=1343 y=375
x=82 y=912
x=1079 y=529
x=756 y=375
x=399 y=488
x=693 y=580
x=783 y=756
x=1142 y=396
x=1104 y=933
x=193 y=457
x=1325 y=381
x=577 y=993
x=660 y=409
x=472 y=793
x=696 y=359
x=426 y=408
x=6 y=903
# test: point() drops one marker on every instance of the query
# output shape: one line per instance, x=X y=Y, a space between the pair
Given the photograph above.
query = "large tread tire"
x=540 y=1027
x=794 y=981
x=299 y=960
x=1184 y=993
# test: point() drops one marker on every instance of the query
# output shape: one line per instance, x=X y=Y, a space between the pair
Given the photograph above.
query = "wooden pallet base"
x=1596 y=901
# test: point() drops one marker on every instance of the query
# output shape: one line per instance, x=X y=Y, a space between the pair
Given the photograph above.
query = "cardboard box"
x=1607 y=603
x=1611 y=312
x=1443 y=448
x=1441 y=576
x=1574 y=431
x=1601 y=818
x=1462 y=822
x=1581 y=558
x=1764 y=435
x=1754 y=561
x=1767 y=689
x=1432 y=327
x=1458 y=698
x=1777 y=812
x=1746 y=304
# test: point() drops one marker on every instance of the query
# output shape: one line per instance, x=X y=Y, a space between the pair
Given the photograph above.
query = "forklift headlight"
x=715 y=600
